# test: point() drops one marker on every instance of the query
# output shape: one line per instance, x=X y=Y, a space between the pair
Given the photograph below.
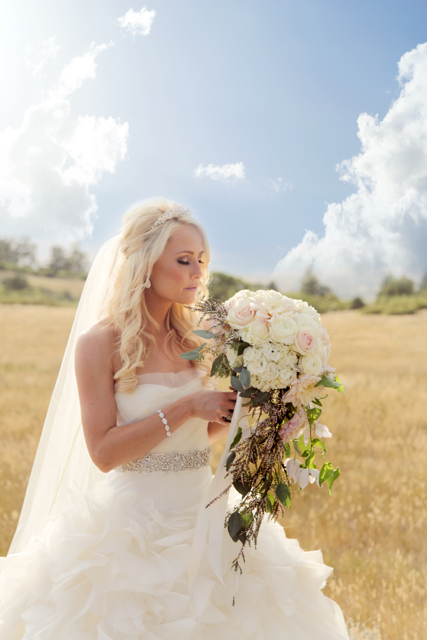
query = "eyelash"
x=187 y=263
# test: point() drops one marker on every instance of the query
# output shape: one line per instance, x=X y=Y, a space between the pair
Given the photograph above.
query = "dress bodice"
x=157 y=391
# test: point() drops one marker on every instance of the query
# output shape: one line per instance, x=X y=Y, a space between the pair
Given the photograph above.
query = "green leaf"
x=318 y=443
x=269 y=502
x=236 y=384
x=287 y=450
x=341 y=388
x=230 y=460
x=260 y=396
x=317 y=401
x=247 y=393
x=234 y=526
x=245 y=378
x=313 y=415
x=247 y=520
x=242 y=346
x=243 y=489
x=330 y=481
x=192 y=355
x=237 y=437
x=327 y=381
x=284 y=494
x=217 y=363
x=204 y=333
x=327 y=471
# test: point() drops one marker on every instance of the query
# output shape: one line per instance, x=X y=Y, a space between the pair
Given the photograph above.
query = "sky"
x=295 y=131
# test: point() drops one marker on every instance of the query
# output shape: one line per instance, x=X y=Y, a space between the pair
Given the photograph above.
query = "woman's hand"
x=213 y=406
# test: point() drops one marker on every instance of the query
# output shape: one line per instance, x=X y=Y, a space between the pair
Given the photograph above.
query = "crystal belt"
x=168 y=462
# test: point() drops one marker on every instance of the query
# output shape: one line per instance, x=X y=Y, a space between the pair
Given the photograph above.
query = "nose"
x=197 y=271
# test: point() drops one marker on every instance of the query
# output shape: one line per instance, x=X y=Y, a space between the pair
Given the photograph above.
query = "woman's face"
x=176 y=274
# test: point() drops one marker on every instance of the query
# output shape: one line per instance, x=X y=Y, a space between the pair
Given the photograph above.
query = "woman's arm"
x=110 y=445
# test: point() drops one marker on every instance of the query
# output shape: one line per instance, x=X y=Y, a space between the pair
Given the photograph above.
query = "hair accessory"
x=176 y=212
x=165 y=422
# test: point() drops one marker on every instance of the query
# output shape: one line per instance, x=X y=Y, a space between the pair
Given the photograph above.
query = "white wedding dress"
x=113 y=565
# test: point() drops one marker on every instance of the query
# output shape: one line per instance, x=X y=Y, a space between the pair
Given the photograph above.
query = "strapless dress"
x=113 y=565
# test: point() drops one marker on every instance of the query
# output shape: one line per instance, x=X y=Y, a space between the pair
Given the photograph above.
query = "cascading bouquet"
x=275 y=350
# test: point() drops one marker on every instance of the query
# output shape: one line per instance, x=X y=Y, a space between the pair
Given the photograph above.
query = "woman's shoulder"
x=97 y=341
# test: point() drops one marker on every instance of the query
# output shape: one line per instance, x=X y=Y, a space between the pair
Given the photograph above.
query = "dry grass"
x=373 y=529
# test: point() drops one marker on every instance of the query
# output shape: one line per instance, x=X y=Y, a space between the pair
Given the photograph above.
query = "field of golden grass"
x=373 y=531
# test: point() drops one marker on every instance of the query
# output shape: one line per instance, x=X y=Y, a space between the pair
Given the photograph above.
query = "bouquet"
x=275 y=350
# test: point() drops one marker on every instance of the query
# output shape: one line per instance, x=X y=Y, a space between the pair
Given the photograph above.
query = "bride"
x=112 y=541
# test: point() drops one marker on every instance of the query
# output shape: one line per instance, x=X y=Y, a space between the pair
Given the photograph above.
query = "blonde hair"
x=127 y=311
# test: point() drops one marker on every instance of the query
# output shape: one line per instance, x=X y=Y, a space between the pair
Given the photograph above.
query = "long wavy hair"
x=126 y=309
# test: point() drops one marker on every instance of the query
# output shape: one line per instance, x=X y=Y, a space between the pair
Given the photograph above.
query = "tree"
x=311 y=286
x=58 y=260
x=423 y=283
x=396 y=286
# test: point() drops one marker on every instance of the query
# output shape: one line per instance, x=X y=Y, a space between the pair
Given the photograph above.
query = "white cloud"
x=49 y=163
x=38 y=56
x=382 y=227
x=137 y=23
x=226 y=172
x=281 y=185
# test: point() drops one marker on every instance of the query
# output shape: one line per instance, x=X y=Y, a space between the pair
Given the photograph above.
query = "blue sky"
x=277 y=86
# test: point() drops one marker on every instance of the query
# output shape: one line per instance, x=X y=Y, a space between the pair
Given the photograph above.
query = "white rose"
x=311 y=364
x=256 y=332
x=282 y=328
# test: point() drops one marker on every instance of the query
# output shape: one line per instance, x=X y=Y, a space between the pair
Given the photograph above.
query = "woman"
x=106 y=535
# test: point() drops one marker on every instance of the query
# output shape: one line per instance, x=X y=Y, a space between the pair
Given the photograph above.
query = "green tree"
x=311 y=286
x=396 y=286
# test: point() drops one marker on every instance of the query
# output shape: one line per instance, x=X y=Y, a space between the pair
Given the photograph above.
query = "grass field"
x=373 y=531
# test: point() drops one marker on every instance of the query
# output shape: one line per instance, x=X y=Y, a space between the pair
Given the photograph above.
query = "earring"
x=147 y=283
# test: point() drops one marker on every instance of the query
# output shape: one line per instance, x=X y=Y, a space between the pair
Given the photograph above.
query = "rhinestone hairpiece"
x=176 y=212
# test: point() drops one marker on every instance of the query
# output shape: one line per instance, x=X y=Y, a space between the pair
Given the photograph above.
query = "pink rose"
x=305 y=340
x=240 y=314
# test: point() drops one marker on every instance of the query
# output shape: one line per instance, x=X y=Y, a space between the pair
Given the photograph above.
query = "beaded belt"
x=168 y=462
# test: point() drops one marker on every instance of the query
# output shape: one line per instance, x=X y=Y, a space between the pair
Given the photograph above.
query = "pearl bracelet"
x=165 y=422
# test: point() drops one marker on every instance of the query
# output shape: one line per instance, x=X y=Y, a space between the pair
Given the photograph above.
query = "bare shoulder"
x=96 y=345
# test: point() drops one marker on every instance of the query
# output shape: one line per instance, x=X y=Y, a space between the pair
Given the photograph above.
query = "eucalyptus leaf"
x=236 y=384
x=216 y=364
x=284 y=494
x=247 y=393
x=245 y=378
x=204 y=333
x=341 y=388
x=192 y=355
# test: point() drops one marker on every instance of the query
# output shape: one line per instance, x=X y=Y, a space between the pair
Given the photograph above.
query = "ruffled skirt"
x=113 y=566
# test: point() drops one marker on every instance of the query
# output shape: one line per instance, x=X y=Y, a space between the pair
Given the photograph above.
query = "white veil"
x=62 y=458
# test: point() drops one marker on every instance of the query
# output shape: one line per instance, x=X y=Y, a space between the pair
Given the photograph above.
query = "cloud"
x=49 y=163
x=281 y=185
x=38 y=56
x=382 y=227
x=226 y=172
x=137 y=23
